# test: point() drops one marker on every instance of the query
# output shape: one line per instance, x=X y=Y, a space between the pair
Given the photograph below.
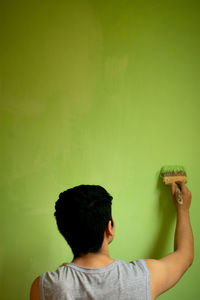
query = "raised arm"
x=166 y=272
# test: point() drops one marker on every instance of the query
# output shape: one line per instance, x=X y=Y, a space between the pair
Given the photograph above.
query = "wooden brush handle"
x=170 y=179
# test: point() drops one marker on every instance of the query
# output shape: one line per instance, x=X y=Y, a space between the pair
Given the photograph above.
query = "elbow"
x=190 y=260
x=192 y=256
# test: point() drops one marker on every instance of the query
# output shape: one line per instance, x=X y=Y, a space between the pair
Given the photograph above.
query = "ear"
x=110 y=230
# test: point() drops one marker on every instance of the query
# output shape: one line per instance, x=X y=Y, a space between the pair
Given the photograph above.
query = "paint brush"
x=176 y=174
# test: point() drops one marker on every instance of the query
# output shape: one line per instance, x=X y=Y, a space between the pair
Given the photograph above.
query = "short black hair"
x=82 y=214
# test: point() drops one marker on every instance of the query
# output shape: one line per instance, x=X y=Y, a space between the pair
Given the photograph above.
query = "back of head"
x=82 y=214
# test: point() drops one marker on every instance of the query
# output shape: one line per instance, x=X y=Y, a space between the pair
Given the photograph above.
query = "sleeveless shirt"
x=116 y=281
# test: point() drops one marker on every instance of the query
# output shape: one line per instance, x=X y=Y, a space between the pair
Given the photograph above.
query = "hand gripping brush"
x=175 y=174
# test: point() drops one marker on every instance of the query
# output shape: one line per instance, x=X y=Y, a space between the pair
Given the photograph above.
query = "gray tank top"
x=117 y=281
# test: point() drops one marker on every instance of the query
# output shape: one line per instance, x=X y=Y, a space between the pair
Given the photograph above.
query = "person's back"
x=84 y=218
x=118 y=280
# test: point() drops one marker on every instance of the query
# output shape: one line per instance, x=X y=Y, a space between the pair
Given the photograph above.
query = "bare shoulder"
x=155 y=270
x=35 y=293
x=165 y=272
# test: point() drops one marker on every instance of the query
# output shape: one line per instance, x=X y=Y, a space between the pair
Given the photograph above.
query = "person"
x=84 y=218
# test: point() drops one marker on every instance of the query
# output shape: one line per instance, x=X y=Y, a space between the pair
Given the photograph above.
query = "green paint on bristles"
x=172 y=169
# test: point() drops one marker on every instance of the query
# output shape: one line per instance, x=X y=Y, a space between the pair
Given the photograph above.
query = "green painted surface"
x=96 y=92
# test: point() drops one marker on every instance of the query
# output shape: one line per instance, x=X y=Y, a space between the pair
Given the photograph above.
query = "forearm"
x=183 y=241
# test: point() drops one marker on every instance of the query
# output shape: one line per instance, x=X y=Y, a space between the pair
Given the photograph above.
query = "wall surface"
x=96 y=92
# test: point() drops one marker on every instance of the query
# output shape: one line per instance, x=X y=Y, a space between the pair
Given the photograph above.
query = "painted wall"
x=96 y=92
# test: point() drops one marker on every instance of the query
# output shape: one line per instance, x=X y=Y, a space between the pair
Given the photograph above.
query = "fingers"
x=181 y=195
x=185 y=189
x=173 y=188
x=183 y=186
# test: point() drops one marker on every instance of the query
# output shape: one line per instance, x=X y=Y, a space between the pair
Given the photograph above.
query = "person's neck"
x=94 y=260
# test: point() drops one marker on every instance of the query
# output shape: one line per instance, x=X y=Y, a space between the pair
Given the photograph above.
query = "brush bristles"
x=173 y=171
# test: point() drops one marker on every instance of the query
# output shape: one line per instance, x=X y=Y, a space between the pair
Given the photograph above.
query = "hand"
x=186 y=195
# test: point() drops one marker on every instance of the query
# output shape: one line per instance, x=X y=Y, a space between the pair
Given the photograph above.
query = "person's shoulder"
x=35 y=292
x=139 y=266
x=132 y=262
x=54 y=275
x=165 y=272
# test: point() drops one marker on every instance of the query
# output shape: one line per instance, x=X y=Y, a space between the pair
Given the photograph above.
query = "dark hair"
x=82 y=214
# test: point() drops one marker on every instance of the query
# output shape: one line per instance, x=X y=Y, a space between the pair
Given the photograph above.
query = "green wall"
x=96 y=92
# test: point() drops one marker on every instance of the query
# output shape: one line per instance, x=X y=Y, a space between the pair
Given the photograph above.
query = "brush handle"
x=178 y=195
x=170 y=179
